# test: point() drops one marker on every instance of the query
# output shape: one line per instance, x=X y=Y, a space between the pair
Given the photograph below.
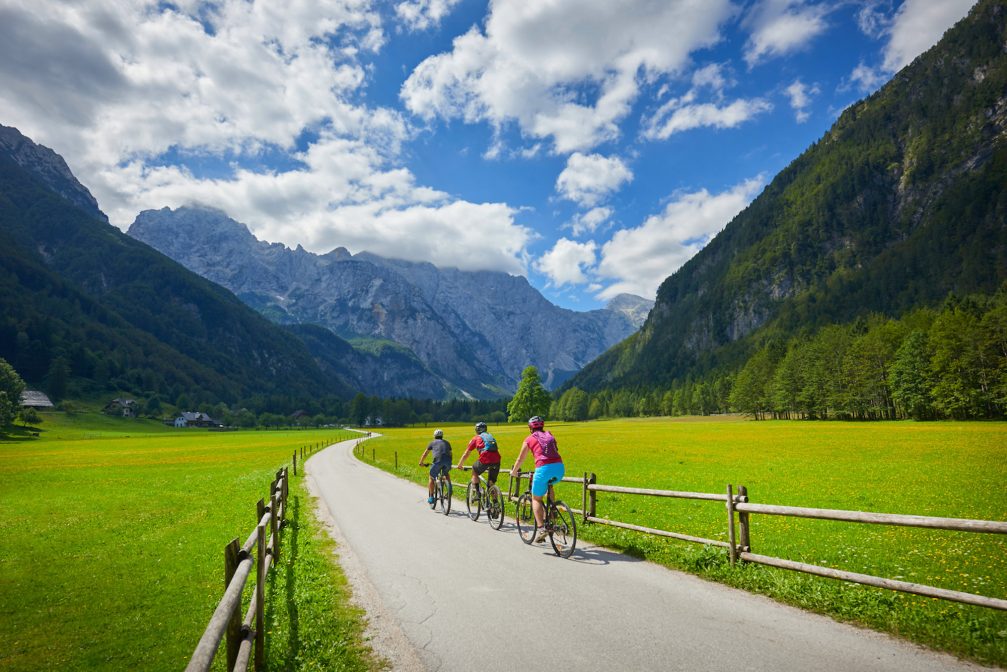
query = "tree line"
x=946 y=363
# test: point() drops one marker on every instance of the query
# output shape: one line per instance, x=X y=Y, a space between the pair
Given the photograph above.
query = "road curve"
x=468 y=597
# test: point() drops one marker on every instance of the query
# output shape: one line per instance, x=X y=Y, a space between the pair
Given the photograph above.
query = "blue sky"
x=592 y=146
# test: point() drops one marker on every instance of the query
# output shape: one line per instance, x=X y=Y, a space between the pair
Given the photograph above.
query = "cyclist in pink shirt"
x=549 y=468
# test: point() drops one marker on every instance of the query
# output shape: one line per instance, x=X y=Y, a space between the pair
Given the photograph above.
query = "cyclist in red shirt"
x=489 y=456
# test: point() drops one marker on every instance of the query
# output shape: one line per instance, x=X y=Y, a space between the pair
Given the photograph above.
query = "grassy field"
x=111 y=547
x=941 y=469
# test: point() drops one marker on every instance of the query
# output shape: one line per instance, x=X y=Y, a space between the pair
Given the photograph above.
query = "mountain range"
x=86 y=309
x=474 y=331
x=901 y=202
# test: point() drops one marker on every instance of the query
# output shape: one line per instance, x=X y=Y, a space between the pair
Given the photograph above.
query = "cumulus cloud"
x=637 y=260
x=565 y=263
x=588 y=222
x=684 y=113
x=778 y=27
x=588 y=179
x=566 y=70
x=423 y=14
x=917 y=26
x=800 y=98
x=676 y=117
x=123 y=90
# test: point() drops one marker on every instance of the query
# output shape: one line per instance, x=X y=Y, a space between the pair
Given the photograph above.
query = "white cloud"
x=915 y=27
x=866 y=78
x=565 y=70
x=674 y=117
x=800 y=98
x=918 y=25
x=424 y=14
x=779 y=27
x=564 y=264
x=588 y=179
x=872 y=21
x=589 y=221
x=637 y=260
x=121 y=89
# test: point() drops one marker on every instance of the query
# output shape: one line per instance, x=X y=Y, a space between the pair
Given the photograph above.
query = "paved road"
x=468 y=597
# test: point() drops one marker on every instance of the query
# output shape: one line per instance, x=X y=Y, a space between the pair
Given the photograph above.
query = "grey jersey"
x=440 y=449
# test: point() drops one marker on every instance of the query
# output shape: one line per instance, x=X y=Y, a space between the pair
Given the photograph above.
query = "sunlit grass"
x=940 y=469
x=111 y=542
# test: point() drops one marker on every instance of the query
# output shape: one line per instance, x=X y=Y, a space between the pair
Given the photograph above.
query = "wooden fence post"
x=583 y=505
x=274 y=527
x=746 y=540
x=260 y=599
x=295 y=463
x=260 y=509
x=234 y=624
x=594 y=495
x=732 y=550
x=396 y=460
x=373 y=458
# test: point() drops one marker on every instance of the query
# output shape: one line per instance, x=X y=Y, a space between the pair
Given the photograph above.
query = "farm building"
x=118 y=406
x=35 y=399
x=195 y=419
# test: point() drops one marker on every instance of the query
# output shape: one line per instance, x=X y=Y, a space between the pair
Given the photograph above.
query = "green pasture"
x=941 y=469
x=111 y=547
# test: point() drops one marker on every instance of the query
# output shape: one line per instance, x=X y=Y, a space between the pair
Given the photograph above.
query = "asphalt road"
x=467 y=597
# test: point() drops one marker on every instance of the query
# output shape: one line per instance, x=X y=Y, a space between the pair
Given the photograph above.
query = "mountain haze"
x=475 y=331
x=902 y=201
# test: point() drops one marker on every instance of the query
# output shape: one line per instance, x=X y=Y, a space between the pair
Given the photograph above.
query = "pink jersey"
x=543 y=446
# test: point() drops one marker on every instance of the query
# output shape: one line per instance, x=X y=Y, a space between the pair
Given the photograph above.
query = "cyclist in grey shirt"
x=441 y=451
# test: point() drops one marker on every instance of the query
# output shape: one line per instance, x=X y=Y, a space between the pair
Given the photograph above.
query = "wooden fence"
x=259 y=552
x=739 y=544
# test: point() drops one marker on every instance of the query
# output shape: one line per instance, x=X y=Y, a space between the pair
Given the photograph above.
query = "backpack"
x=489 y=443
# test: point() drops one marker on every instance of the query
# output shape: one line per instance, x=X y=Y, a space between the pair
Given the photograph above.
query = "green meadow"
x=111 y=547
x=940 y=469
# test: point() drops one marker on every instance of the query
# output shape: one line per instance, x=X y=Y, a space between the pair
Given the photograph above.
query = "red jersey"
x=485 y=456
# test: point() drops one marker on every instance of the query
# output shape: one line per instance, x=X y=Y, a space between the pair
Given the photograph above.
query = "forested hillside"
x=85 y=309
x=900 y=205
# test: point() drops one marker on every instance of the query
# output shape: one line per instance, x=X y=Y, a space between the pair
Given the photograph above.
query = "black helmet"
x=480 y=427
x=536 y=422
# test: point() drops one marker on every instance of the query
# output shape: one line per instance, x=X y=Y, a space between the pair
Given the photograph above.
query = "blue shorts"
x=437 y=467
x=545 y=476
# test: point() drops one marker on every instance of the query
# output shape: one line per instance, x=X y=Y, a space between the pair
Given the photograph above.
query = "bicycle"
x=442 y=491
x=488 y=498
x=559 y=522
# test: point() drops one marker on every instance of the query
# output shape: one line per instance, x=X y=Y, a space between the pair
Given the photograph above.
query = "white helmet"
x=438 y=433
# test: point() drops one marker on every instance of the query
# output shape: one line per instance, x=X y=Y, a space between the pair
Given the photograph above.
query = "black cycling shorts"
x=493 y=469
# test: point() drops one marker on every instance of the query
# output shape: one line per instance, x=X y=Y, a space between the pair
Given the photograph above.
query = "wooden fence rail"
x=739 y=546
x=260 y=552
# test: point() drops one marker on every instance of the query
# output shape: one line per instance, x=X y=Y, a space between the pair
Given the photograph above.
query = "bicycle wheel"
x=472 y=502
x=562 y=529
x=495 y=507
x=445 y=496
x=525 y=517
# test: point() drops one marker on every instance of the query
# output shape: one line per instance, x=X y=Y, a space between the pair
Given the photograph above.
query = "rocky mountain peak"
x=49 y=167
x=635 y=308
